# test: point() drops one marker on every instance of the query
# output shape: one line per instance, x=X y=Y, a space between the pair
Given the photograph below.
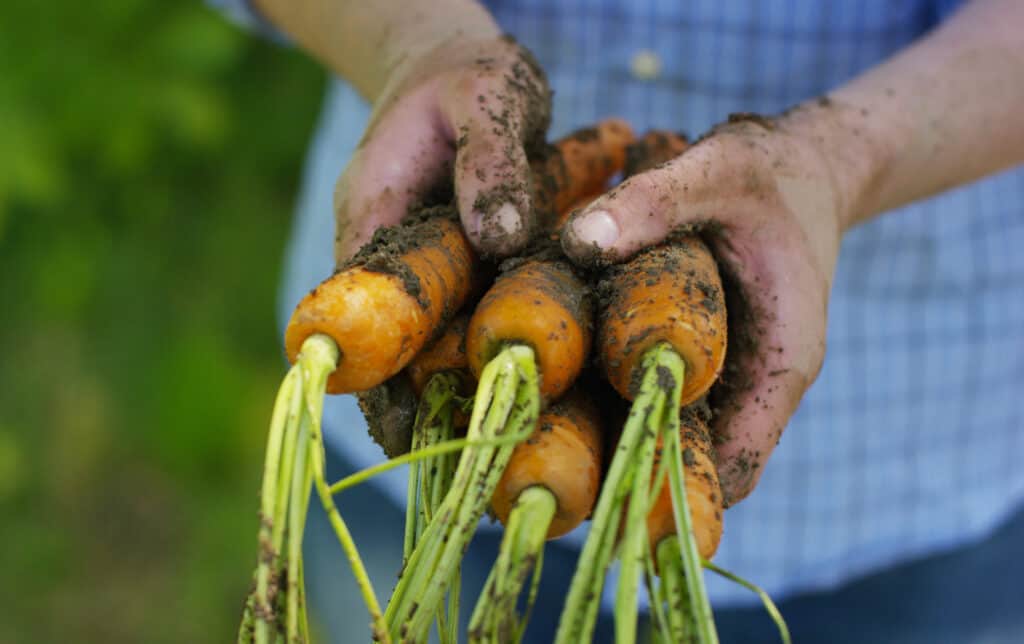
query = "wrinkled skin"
x=472 y=107
x=765 y=197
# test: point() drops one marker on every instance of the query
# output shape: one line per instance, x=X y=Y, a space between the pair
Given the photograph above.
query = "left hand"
x=764 y=195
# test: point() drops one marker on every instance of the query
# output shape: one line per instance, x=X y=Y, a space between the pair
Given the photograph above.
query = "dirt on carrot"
x=390 y=411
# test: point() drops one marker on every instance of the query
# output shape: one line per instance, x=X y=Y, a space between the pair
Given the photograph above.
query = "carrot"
x=541 y=304
x=564 y=456
x=652 y=149
x=703 y=492
x=579 y=165
x=662 y=318
x=384 y=307
x=548 y=488
x=672 y=294
x=446 y=353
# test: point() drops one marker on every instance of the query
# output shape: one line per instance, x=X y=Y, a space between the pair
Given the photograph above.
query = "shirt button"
x=646 y=65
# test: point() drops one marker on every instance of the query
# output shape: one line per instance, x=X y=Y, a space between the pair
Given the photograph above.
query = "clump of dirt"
x=385 y=250
x=390 y=411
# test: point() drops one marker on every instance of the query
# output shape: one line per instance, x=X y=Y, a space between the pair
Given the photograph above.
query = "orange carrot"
x=703 y=492
x=673 y=294
x=652 y=149
x=579 y=165
x=446 y=353
x=387 y=304
x=548 y=488
x=543 y=305
x=564 y=456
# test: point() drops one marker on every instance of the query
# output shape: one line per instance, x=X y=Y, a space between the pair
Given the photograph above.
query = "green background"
x=149 y=158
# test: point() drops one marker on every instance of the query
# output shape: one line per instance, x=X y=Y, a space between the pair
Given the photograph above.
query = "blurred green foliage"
x=149 y=157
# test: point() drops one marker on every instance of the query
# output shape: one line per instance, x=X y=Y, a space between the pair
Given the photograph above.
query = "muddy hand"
x=467 y=106
x=763 y=197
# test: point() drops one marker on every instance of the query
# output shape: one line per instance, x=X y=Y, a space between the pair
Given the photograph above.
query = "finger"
x=491 y=118
x=776 y=349
x=404 y=156
x=646 y=208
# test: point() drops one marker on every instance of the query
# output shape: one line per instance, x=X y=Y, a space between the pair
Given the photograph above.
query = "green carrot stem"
x=245 y=629
x=580 y=611
x=522 y=547
x=659 y=620
x=414 y=575
x=446 y=447
x=634 y=542
x=697 y=593
x=508 y=402
x=519 y=419
x=434 y=411
x=769 y=605
x=296 y=526
x=673 y=591
x=319 y=357
x=264 y=614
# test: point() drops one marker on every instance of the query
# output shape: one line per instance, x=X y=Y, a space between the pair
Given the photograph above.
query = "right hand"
x=476 y=104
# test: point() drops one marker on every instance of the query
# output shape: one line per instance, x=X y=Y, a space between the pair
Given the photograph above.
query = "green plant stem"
x=580 y=611
x=508 y=402
x=520 y=419
x=694 y=575
x=672 y=591
x=296 y=527
x=769 y=605
x=446 y=447
x=263 y=609
x=245 y=629
x=634 y=540
x=319 y=356
x=521 y=550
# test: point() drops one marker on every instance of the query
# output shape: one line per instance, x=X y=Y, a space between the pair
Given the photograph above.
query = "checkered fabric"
x=908 y=442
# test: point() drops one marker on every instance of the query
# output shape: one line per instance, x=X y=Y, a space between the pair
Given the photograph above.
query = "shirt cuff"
x=245 y=14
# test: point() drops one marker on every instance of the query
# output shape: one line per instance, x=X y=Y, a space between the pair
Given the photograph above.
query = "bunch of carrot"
x=506 y=367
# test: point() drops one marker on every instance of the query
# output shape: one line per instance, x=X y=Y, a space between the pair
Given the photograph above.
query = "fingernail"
x=502 y=222
x=597 y=228
x=507 y=218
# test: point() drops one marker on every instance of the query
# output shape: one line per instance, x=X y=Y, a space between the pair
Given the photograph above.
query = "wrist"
x=855 y=158
x=413 y=41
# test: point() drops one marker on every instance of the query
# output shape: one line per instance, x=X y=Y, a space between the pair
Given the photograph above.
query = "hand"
x=762 y=194
x=476 y=105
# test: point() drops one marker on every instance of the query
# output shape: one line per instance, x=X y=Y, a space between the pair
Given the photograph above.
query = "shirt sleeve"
x=245 y=14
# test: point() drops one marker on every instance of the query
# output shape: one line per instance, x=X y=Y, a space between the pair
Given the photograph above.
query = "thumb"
x=646 y=208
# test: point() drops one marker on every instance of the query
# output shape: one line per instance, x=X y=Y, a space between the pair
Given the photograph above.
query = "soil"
x=384 y=252
x=390 y=411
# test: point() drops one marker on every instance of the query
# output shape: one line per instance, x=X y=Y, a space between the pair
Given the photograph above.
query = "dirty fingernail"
x=507 y=219
x=502 y=222
x=597 y=228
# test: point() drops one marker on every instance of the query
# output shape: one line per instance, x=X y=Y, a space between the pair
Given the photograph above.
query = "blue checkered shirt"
x=908 y=442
